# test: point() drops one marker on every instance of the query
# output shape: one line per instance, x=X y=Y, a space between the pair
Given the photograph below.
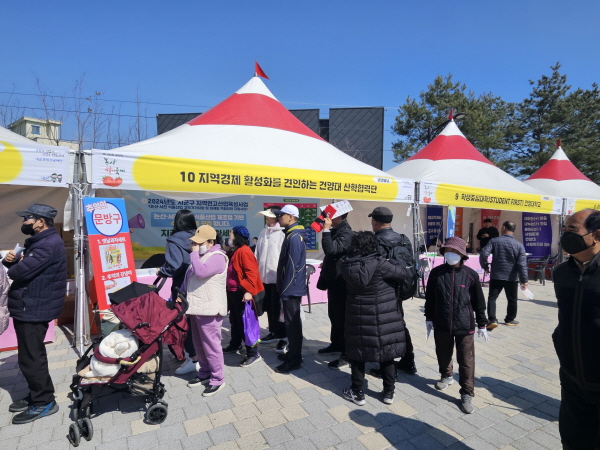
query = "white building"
x=46 y=132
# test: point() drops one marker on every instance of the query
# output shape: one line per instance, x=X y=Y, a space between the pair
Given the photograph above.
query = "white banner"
x=27 y=164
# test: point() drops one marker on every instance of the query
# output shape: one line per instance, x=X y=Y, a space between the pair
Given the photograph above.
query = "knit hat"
x=242 y=231
x=457 y=244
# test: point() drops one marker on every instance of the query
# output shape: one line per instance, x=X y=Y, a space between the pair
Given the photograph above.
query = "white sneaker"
x=187 y=367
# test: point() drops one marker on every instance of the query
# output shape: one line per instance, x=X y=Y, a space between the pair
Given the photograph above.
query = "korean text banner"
x=163 y=173
x=574 y=205
x=472 y=197
x=110 y=246
x=537 y=234
x=34 y=165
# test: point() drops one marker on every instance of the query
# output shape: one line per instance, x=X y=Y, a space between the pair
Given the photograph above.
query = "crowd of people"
x=363 y=273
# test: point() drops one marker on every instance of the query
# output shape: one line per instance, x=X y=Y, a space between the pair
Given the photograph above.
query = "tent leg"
x=561 y=224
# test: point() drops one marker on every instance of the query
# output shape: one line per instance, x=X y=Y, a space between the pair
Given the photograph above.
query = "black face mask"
x=27 y=228
x=573 y=243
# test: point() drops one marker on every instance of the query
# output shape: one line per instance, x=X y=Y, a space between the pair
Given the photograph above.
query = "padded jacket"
x=454 y=300
x=37 y=293
x=374 y=326
x=291 y=269
x=393 y=238
x=577 y=335
x=509 y=262
x=335 y=245
x=177 y=258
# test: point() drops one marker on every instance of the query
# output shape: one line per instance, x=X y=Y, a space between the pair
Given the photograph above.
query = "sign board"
x=537 y=234
x=308 y=213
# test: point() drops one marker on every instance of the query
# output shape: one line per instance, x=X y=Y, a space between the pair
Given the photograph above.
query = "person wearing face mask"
x=577 y=336
x=454 y=306
x=509 y=266
x=204 y=283
x=36 y=296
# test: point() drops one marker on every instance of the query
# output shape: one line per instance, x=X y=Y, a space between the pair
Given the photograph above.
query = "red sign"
x=493 y=214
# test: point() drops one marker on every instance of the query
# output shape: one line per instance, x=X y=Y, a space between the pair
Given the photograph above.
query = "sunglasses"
x=27 y=218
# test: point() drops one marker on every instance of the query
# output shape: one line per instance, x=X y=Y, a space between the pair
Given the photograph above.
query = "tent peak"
x=451 y=130
x=560 y=155
x=255 y=86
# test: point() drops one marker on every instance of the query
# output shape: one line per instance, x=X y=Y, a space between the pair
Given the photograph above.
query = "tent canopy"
x=561 y=178
x=25 y=162
x=453 y=172
x=247 y=144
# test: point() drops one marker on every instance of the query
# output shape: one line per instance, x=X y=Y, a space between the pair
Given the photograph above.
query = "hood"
x=182 y=239
x=359 y=270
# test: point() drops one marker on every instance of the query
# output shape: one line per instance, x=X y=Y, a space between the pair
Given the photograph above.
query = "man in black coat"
x=336 y=238
x=577 y=336
x=36 y=296
x=487 y=233
x=509 y=265
x=381 y=222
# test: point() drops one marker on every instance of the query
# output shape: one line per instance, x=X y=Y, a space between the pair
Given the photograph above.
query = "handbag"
x=251 y=325
x=259 y=300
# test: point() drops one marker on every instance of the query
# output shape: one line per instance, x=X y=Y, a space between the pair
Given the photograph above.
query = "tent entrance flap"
x=473 y=197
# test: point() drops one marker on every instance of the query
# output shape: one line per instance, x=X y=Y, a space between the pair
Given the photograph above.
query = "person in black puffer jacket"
x=454 y=305
x=374 y=327
x=36 y=297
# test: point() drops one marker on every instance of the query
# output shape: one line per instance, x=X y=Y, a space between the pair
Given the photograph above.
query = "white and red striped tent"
x=561 y=178
x=451 y=171
x=247 y=144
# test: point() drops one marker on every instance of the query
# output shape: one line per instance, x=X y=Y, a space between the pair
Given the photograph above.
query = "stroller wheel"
x=74 y=435
x=76 y=408
x=87 y=429
x=156 y=414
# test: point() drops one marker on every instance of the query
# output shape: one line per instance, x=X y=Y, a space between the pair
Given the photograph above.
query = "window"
x=35 y=129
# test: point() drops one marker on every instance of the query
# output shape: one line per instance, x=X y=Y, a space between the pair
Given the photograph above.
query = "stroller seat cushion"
x=118 y=344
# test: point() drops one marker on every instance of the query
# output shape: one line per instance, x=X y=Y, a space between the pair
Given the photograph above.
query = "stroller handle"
x=161 y=282
x=182 y=295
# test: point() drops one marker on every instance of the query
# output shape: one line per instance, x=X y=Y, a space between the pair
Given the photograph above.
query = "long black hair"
x=184 y=221
x=363 y=243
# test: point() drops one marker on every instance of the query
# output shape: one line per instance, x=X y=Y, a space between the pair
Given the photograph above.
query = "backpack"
x=399 y=253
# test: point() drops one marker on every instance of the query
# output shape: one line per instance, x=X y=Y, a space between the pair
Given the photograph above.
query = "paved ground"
x=517 y=399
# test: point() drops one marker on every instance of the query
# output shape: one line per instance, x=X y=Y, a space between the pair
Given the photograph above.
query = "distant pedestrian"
x=509 y=266
x=577 y=336
x=291 y=284
x=374 y=327
x=487 y=233
x=454 y=306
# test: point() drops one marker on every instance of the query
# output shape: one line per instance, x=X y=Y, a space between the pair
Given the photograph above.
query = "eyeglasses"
x=26 y=218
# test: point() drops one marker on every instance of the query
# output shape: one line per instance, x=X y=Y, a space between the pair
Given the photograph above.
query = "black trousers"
x=409 y=355
x=511 y=289
x=465 y=355
x=33 y=360
x=272 y=306
x=235 y=300
x=293 y=328
x=336 y=309
x=388 y=374
x=579 y=416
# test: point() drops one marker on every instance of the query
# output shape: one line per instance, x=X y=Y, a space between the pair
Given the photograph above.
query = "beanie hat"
x=242 y=231
x=457 y=244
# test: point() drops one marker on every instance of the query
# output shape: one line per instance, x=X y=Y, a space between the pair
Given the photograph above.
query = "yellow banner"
x=162 y=173
x=586 y=204
x=471 y=197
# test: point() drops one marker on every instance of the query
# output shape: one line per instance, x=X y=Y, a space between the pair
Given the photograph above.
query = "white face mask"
x=452 y=258
x=203 y=249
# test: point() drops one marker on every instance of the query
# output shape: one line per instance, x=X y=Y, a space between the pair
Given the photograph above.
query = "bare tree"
x=10 y=109
x=55 y=107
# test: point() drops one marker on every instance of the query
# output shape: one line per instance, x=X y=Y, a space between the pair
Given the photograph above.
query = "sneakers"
x=20 y=405
x=444 y=383
x=288 y=366
x=212 y=390
x=232 y=349
x=466 y=404
x=357 y=397
x=407 y=366
x=35 y=412
x=198 y=382
x=329 y=350
x=268 y=338
x=282 y=347
x=492 y=325
x=388 y=397
x=512 y=323
x=250 y=360
x=338 y=364
x=187 y=367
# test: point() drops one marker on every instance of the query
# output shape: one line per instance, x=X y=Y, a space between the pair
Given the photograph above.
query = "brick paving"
x=517 y=398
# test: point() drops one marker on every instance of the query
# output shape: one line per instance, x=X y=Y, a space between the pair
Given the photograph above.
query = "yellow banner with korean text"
x=574 y=205
x=163 y=173
x=472 y=197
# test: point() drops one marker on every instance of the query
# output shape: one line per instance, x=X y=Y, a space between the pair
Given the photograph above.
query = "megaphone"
x=137 y=222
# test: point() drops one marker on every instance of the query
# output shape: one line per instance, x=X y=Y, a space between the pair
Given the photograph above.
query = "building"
x=45 y=132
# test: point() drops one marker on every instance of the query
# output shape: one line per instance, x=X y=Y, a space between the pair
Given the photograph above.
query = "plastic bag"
x=527 y=293
x=251 y=326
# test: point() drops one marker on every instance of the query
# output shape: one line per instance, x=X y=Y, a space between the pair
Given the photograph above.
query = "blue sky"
x=317 y=53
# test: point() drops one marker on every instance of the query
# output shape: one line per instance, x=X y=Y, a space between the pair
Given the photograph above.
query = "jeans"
x=511 y=288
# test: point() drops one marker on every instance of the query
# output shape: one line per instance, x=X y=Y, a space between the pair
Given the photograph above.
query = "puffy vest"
x=207 y=296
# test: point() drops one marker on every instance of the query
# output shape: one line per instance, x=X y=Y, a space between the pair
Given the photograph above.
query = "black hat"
x=487 y=220
x=382 y=214
x=39 y=210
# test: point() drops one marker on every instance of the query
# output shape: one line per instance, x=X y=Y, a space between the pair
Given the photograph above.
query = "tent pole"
x=561 y=224
x=78 y=192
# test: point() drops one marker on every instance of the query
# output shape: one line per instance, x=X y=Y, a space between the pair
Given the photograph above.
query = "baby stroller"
x=153 y=321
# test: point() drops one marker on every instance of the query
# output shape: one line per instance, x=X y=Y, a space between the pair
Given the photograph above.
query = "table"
x=8 y=339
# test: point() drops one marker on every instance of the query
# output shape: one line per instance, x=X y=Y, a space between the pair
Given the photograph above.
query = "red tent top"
x=559 y=168
x=450 y=144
